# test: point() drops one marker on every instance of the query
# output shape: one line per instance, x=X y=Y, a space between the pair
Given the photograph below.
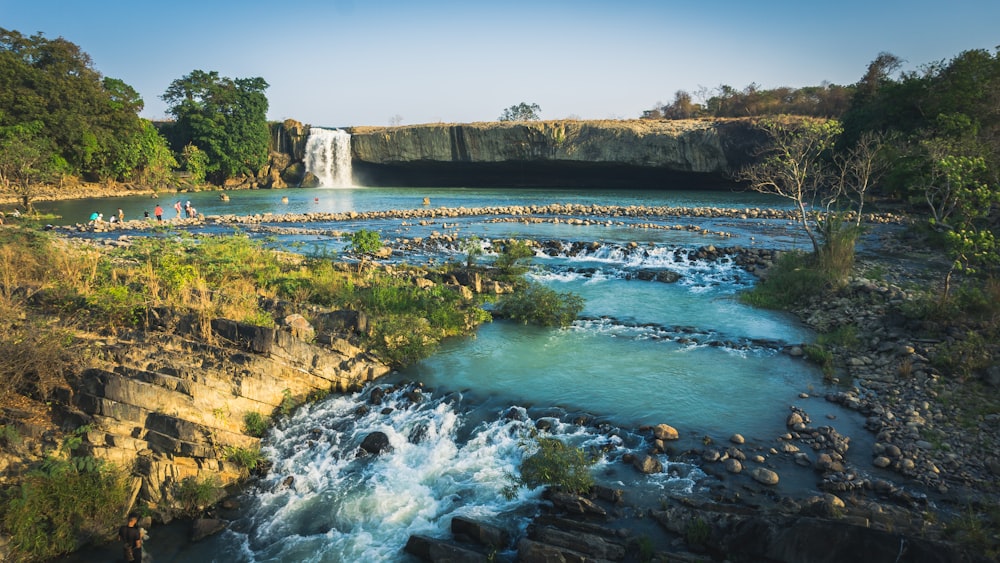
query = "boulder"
x=647 y=464
x=201 y=528
x=375 y=443
x=764 y=476
x=665 y=432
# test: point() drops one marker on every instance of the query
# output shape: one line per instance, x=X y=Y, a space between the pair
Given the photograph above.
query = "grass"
x=790 y=282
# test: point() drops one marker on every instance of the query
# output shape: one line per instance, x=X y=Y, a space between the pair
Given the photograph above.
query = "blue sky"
x=364 y=62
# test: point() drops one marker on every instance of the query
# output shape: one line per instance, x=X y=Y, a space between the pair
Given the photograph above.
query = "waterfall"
x=328 y=157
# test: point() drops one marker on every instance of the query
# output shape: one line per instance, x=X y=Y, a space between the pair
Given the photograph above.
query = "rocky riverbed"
x=933 y=457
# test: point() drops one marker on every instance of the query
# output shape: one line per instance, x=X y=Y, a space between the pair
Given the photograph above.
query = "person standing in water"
x=131 y=537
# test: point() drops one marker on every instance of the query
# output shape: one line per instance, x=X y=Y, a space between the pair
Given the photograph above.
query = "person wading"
x=131 y=538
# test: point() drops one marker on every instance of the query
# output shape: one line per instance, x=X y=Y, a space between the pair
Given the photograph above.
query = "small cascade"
x=328 y=157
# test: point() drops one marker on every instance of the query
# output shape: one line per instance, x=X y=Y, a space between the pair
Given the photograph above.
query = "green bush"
x=553 y=463
x=540 y=305
x=194 y=494
x=513 y=259
x=256 y=424
x=64 y=504
x=791 y=281
x=249 y=459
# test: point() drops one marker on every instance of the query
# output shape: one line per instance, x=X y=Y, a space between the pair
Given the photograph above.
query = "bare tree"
x=792 y=167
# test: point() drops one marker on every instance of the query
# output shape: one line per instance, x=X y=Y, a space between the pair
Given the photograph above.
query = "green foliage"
x=225 y=118
x=473 y=249
x=540 y=305
x=521 y=112
x=255 y=424
x=248 y=459
x=65 y=503
x=845 y=336
x=963 y=357
x=820 y=356
x=551 y=462
x=87 y=124
x=513 y=258
x=288 y=403
x=195 y=162
x=698 y=533
x=365 y=242
x=826 y=100
x=195 y=495
x=790 y=282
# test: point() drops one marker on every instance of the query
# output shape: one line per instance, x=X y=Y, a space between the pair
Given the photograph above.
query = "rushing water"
x=643 y=352
x=328 y=157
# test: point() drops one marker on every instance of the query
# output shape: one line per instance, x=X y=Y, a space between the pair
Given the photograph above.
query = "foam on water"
x=342 y=507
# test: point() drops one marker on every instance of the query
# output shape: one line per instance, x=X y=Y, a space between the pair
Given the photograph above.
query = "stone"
x=484 y=534
x=733 y=465
x=647 y=464
x=375 y=443
x=300 y=327
x=431 y=549
x=204 y=527
x=764 y=476
x=737 y=439
x=665 y=432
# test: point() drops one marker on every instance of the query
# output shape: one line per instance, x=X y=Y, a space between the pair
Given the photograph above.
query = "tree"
x=26 y=160
x=225 y=118
x=521 y=112
x=365 y=243
x=792 y=167
x=88 y=120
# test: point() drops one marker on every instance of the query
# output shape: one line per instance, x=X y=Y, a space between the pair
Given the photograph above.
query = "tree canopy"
x=73 y=120
x=521 y=112
x=223 y=117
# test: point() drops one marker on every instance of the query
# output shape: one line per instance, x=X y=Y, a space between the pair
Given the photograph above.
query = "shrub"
x=194 y=494
x=540 y=305
x=256 y=424
x=792 y=280
x=513 y=258
x=553 y=463
x=65 y=503
x=249 y=459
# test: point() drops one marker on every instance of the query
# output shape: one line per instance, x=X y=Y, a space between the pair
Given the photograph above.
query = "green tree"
x=521 y=112
x=26 y=160
x=366 y=244
x=84 y=116
x=225 y=118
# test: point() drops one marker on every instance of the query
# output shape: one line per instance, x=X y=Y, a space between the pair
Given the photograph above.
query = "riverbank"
x=889 y=375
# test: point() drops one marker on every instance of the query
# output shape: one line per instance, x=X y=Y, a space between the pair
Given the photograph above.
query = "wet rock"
x=375 y=443
x=665 y=432
x=764 y=476
x=647 y=464
x=204 y=527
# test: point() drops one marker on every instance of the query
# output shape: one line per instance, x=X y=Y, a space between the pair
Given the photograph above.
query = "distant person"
x=145 y=214
x=177 y=207
x=158 y=212
x=93 y=217
x=131 y=537
x=121 y=215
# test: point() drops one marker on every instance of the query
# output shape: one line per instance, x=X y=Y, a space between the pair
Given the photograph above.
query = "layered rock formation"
x=172 y=406
x=639 y=153
x=606 y=154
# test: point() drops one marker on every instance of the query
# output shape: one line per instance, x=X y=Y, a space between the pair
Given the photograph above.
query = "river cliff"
x=602 y=154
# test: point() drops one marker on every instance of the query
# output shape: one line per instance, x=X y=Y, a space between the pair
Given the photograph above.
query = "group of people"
x=186 y=210
x=96 y=217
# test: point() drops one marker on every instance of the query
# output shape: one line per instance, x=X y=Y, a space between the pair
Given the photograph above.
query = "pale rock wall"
x=684 y=146
x=169 y=406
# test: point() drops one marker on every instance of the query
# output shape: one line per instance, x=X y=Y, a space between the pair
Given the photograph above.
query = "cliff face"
x=171 y=407
x=572 y=153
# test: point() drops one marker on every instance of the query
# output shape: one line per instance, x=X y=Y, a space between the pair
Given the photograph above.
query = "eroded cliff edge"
x=679 y=154
x=637 y=153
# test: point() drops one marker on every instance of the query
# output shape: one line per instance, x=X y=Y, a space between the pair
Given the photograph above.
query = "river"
x=688 y=354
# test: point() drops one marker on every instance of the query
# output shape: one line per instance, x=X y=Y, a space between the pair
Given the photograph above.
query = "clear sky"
x=365 y=62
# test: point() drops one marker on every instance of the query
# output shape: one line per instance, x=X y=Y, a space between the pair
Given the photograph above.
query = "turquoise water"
x=688 y=354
